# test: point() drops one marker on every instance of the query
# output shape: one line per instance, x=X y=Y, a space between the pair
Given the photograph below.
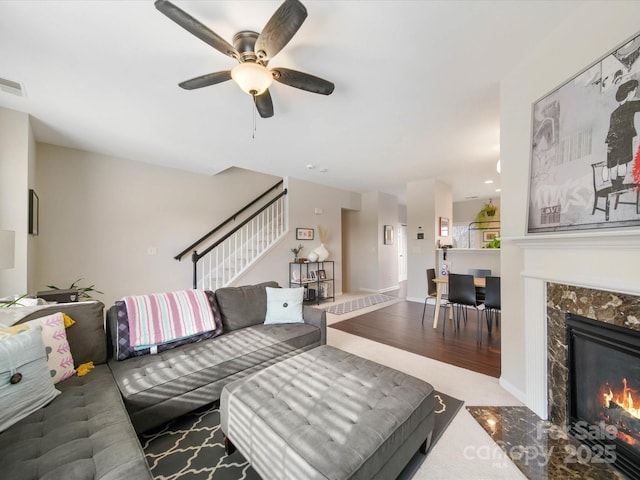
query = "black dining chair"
x=492 y=305
x=432 y=290
x=462 y=295
x=480 y=273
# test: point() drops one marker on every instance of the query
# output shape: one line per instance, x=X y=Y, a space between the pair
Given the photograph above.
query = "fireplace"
x=603 y=409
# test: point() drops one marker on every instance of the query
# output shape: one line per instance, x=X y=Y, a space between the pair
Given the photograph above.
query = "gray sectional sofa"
x=89 y=431
x=157 y=388
x=84 y=433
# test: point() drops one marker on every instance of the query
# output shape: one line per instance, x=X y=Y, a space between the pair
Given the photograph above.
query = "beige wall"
x=427 y=201
x=593 y=30
x=16 y=162
x=100 y=215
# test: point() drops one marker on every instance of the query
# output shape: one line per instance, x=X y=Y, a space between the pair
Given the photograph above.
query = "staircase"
x=231 y=254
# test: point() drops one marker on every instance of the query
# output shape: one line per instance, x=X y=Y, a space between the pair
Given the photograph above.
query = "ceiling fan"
x=253 y=51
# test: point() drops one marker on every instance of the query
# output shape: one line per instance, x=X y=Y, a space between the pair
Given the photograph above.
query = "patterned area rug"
x=191 y=447
x=364 y=302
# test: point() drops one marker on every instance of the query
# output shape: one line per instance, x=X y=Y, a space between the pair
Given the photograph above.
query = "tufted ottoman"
x=328 y=414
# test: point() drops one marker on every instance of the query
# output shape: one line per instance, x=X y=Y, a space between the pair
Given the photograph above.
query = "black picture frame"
x=388 y=234
x=322 y=275
x=34 y=212
x=304 y=233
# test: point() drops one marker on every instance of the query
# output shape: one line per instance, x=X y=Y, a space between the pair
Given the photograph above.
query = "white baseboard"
x=519 y=394
x=382 y=290
x=368 y=290
x=389 y=289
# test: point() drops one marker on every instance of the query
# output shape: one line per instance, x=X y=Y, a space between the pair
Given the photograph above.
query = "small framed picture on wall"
x=304 y=233
x=444 y=227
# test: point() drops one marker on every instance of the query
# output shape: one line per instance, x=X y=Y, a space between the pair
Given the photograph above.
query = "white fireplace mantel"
x=605 y=238
x=605 y=259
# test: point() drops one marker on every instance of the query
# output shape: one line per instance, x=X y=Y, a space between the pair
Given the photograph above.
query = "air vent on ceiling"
x=12 y=87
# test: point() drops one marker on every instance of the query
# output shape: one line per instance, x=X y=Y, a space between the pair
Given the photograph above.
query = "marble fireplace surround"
x=595 y=274
x=608 y=307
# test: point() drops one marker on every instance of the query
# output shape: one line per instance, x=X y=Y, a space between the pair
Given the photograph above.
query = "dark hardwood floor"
x=400 y=326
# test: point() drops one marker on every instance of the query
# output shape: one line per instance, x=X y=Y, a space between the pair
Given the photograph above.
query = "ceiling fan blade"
x=206 y=80
x=280 y=28
x=303 y=81
x=264 y=104
x=196 y=28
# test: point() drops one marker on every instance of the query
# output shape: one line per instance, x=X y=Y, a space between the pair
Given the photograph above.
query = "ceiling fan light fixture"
x=252 y=78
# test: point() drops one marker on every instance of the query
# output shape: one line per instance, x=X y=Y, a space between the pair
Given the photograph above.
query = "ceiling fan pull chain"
x=253 y=134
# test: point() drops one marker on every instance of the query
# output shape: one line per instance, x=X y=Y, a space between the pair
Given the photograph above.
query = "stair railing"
x=234 y=252
x=212 y=232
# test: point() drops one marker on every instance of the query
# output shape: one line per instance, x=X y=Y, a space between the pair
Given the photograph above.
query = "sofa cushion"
x=244 y=306
x=120 y=334
x=87 y=337
x=84 y=433
x=25 y=383
x=284 y=305
x=179 y=380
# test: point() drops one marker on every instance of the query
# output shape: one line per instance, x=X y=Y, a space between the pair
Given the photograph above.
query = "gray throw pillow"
x=25 y=383
x=245 y=306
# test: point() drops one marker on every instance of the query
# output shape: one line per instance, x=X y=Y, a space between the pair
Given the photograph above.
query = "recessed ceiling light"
x=323 y=170
x=310 y=167
x=498 y=190
x=488 y=181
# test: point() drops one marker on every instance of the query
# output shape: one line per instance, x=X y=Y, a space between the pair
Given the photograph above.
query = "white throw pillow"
x=23 y=358
x=284 y=305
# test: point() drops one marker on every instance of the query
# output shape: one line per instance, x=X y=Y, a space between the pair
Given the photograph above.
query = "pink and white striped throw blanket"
x=164 y=317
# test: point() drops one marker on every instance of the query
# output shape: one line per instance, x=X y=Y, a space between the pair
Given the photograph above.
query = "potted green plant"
x=83 y=292
x=494 y=243
x=486 y=214
x=488 y=210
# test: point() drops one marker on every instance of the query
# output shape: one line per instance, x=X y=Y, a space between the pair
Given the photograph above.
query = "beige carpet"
x=465 y=450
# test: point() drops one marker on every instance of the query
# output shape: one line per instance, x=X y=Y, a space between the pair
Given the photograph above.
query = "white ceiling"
x=416 y=97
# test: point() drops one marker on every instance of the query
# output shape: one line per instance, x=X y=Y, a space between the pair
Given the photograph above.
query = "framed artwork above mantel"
x=585 y=153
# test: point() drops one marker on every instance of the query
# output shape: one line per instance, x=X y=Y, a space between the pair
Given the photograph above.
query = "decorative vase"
x=312 y=257
x=322 y=252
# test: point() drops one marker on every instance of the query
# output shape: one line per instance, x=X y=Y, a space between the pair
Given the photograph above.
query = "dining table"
x=479 y=282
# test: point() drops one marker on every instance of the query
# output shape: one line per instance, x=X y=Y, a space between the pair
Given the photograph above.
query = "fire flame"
x=623 y=399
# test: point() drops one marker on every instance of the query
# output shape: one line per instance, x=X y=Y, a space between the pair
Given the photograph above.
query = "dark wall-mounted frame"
x=34 y=212
x=304 y=233
x=388 y=234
